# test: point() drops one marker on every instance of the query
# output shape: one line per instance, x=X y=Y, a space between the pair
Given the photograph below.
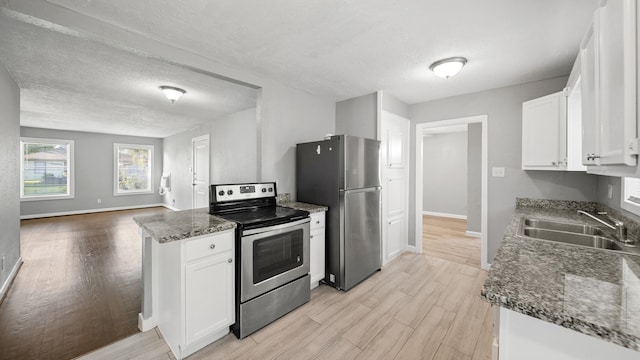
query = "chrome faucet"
x=618 y=226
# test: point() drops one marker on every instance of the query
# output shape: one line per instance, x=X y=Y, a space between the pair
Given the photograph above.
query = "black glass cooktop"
x=264 y=216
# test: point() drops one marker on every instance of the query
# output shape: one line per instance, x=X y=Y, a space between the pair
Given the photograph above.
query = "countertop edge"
x=493 y=294
x=311 y=208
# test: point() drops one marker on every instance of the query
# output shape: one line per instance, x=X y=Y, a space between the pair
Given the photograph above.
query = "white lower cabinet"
x=196 y=280
x=317 y=248
x=526 y=338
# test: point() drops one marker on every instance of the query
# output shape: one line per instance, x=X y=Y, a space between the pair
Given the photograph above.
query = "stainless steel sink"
x=563 y=226
x=594 y=241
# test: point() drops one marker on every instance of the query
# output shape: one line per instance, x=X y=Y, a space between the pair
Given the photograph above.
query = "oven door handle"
x=275 y=227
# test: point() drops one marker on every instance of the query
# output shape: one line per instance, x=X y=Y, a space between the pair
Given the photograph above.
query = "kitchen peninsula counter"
x=180 y=225
x=592 y=291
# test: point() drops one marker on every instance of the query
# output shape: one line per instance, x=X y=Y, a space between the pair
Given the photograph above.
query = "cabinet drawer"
x=317 y=220
x=209 y=245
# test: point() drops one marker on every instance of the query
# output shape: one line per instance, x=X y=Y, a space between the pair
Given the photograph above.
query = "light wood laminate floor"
x=417 y=307
x=446 y=238
x=78 y=289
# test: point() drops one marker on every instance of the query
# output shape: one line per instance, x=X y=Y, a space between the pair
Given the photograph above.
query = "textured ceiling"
x=71 y=83
x=344 y=48
x=350 y=48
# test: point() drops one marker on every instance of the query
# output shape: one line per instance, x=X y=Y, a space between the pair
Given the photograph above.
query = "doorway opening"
x=445 y=214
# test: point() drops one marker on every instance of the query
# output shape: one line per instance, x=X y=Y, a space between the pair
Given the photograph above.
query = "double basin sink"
x=570 y=233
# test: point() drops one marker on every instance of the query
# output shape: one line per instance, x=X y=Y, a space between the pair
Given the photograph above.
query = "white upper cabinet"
x=544 y=123
x=551 y=128
x=609 y=89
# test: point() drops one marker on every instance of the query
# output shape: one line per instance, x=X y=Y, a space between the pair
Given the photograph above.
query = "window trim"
x=627 y=205
x=70 y=169
x=116 y=190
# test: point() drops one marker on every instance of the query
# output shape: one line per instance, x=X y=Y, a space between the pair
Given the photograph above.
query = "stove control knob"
x=229 y=192
x=221 y=192
x=264 y=190
x=270 y=189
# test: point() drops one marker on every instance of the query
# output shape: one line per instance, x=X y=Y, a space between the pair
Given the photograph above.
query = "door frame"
x=482 y=119
x=193 y=164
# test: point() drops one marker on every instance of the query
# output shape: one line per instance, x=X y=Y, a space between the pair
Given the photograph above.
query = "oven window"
x=277 y=254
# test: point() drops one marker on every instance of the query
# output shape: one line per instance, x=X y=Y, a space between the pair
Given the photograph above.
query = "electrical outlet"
x=99 y=201
x=610 y=192
x=497 y=172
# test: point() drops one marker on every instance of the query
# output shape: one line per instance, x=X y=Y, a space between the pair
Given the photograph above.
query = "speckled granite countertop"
x=284 y=200
x=592 y=291
x=181 y=225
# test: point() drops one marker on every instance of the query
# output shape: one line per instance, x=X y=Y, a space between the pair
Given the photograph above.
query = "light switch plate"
x=497 y=171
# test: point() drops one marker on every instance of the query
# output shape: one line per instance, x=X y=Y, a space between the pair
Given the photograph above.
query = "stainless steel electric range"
x=272 y=252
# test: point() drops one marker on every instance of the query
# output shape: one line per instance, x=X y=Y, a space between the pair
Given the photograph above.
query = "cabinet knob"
x=318 y=222
x=310 y=236
x=212 y=246
x=553 y=163
x=230 y=260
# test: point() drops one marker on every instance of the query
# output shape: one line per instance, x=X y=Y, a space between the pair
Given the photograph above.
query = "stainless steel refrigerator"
x=342 y=173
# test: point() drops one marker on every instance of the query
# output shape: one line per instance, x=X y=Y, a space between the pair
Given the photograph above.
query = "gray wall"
x=504 y=109
x=393 y=105
x=288 y=117
x=444 y=187
x=9 y=163
x=94 y=177
x=474 y=177
x=358 y=116
x=233 y=155
x=614 y=202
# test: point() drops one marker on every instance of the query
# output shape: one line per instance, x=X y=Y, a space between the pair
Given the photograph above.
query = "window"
x=631 y=195
x=46 y=169
x=133 y=169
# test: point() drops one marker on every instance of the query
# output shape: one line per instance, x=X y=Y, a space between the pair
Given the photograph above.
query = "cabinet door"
x=616 y=82
x=588 y=89
x=209 y=295
x=544 y=124
x=316 y=268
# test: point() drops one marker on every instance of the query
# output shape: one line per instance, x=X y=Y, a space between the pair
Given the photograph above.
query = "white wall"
x=9 y=185
x=444 y=188
x=358 y=116
x=503 y=107
x=94 y=173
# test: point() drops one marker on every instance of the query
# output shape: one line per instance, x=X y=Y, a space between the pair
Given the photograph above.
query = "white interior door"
x=200 y=171
x=395 y=184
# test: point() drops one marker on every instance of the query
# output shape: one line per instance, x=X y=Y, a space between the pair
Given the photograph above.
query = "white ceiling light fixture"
x=447 y=68
x=172 y=93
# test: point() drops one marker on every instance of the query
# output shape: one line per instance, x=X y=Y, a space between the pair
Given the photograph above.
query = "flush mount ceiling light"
x=172 y=93
x=446 y=68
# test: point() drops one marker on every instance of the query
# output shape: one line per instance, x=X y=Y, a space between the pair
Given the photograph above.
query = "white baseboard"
x=473 y=233
x=453 y=216
x=88 y=211
x=12 y=275
x=412 y=248
x=170 y=207
x=146 y=324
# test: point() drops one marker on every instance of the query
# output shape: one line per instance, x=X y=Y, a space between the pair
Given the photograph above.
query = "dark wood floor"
x=78 y=289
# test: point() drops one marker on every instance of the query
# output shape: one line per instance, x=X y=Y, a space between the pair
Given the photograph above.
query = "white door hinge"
x=565 y=91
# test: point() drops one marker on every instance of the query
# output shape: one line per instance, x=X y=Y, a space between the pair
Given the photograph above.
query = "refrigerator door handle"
x=355 y=191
